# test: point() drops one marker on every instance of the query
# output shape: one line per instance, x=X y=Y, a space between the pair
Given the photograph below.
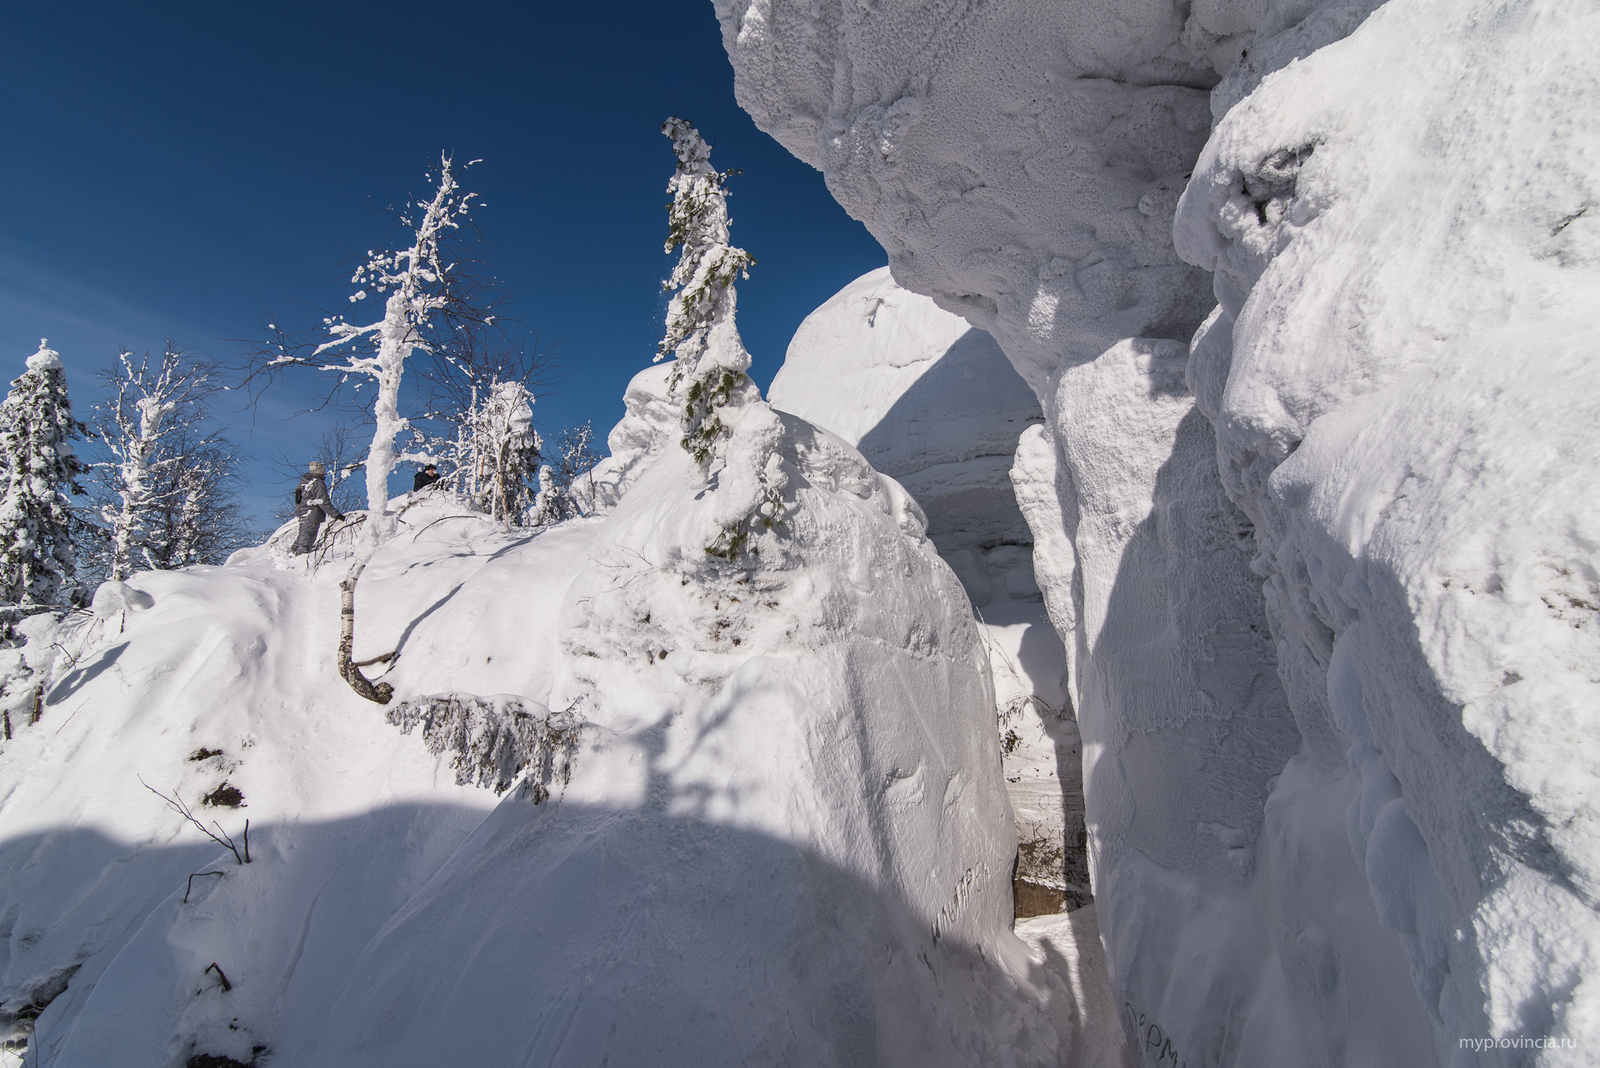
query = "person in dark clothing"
x=425 y=478
x=311 y=503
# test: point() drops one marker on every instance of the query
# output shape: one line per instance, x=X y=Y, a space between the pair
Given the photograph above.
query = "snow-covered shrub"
x=37 y=560
x=495 y=738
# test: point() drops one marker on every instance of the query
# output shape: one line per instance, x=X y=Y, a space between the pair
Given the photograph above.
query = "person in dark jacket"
x=311 y=503
x=425 y=478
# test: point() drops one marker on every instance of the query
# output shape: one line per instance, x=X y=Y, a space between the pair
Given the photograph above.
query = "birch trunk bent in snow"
x=419 y=282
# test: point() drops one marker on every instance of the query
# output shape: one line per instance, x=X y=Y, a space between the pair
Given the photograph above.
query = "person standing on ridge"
x=425 y=478
x=311 y=503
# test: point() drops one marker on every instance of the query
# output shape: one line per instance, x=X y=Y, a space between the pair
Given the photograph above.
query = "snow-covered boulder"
x=933 y=402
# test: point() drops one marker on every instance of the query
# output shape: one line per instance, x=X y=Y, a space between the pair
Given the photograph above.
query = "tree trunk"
x=382 y=692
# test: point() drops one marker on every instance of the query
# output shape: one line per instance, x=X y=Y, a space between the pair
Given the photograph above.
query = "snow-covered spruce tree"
x=149 y=425
x=37 y=561
x=725 y=422
x=498 y=451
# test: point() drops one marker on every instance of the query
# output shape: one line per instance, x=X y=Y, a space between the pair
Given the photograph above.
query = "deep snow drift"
x=780 y=833
x=1371 y=775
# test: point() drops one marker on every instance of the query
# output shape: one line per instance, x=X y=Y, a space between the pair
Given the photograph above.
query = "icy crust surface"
x=1402 y=372
x=784 y=837
x=1019 y=161
x=932 y=402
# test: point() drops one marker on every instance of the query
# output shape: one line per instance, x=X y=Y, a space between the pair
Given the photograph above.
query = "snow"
x=46 y=359
x=1327 y=574
x=784 y=837
x=931 y=402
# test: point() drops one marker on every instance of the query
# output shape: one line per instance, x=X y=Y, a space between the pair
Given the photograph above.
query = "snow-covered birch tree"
x=724 y=419
x=37 y=558
x=151 y=473
x=417 y=285
x=426 y=294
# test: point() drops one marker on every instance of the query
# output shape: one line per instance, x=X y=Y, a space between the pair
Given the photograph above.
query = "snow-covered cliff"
x=1328 y=576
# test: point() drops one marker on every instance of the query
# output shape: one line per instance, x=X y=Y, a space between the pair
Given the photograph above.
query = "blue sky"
x=175 y=170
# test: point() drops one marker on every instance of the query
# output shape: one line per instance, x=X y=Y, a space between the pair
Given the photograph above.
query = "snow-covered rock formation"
x=933 y=402
x=1347 y=821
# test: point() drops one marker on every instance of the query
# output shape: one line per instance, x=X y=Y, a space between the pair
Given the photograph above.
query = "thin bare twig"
x=213 y=966
x=221 y=837
x=192 y=878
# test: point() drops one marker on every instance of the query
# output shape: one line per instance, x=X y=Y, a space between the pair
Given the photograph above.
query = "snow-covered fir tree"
x=710 y=370
x=498 y=451
x=38 y=564
x=723 y=416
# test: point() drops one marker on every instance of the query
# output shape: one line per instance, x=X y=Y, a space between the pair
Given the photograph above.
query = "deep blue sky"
x=174 y=170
